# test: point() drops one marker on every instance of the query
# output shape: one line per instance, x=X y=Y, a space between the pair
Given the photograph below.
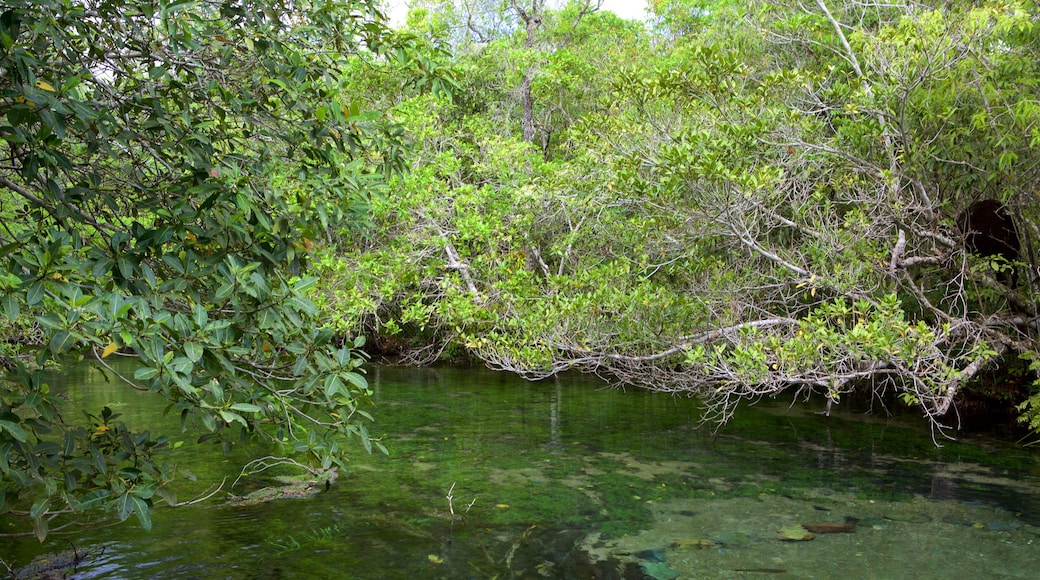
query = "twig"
x=204 y=496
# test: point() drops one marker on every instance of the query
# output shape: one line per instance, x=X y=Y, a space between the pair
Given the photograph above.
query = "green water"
x=565 y=479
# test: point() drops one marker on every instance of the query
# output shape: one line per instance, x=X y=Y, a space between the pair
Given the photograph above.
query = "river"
x=490 y=476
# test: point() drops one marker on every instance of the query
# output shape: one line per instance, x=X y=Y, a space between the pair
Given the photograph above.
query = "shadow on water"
x=490 y=476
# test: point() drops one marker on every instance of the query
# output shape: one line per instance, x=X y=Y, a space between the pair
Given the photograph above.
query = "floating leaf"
x=794 y=534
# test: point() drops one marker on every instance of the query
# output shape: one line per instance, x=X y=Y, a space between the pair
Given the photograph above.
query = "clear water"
x=565 y=479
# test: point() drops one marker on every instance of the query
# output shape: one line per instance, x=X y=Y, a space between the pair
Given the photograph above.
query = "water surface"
x=566 y=479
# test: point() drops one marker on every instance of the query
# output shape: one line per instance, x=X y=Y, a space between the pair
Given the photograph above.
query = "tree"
x=766 y=205
x=533 y=43
x=166 y=172
x=818 y=177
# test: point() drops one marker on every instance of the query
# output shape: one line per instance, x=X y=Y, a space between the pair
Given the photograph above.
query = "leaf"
x=200 y=316
x=333 y=386
x=300 y=367
x=357 y=380
x=193 y=351
x=42 y=84
x=62 y=341
x=124 y=506
x=11 y=309
x=146 y=374
x=111 y=348
x=224 y=292
x=35 y=293
x=94 y=498
x=39 y=508
x=209 y=421
x=40 y=529
x=246 y=408
x=230 y=418
x=305 y=284
x=17 y=432
x=126 y=267
x=143 y=512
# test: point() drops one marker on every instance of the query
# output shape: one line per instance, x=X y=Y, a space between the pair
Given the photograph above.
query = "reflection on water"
x=491 y=476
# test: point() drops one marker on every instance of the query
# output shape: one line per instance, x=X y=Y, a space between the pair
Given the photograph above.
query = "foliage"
x=753 y=199
x=167 y=170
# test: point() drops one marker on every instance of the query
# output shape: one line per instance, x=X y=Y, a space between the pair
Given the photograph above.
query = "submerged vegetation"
x=730 y=201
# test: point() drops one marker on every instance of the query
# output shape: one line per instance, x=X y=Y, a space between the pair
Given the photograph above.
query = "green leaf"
x=200 y=316
x=357 y=380
x=11 y=309
x=230 y=417
x=61 y=342
x=94 y=498
x=39 y=508
x=125 y=506
x=126 y=267
x=146 y=373
x=40 y=528
x=143 y=512
x=333 y=386
x=224 y=292
x=35 y=293
x=266 y=318
x=304 y=284
x=193 y=351
x=209 y=422
x=14 y=430
x=246 y=408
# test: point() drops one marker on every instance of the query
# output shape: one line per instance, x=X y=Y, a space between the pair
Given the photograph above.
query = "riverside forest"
x=263 y=255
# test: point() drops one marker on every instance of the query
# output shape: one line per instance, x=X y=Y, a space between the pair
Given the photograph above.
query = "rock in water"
x=658 y=571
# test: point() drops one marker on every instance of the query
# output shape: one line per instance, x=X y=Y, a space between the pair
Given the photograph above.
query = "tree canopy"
x=746 y=200
x=167 y=169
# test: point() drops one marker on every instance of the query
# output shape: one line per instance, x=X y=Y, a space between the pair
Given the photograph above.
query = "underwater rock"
x=293 y=487
x=658 y=571
x=846 y=528
x=48 y=566
x=794 y=534
x=656 y=555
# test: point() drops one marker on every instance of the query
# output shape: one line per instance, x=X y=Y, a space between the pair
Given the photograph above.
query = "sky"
x=632 y=9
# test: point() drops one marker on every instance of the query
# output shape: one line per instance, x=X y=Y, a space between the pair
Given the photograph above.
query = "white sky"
x=631 y=9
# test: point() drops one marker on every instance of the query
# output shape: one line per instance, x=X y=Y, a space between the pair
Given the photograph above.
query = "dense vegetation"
x=166 y=170
x=736 y=200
